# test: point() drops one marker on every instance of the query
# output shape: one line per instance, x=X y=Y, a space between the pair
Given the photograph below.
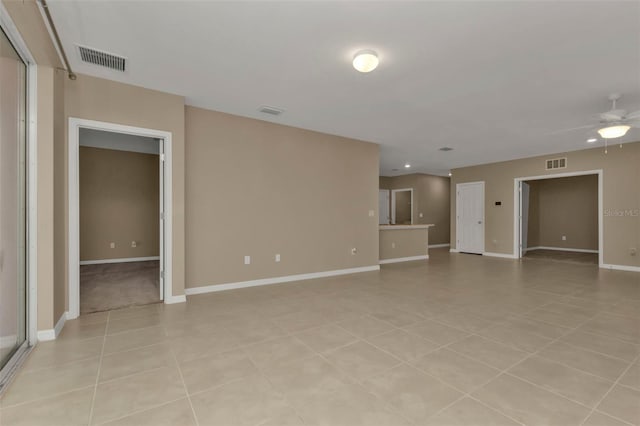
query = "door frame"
x=75 y=124
x=517 y=217
x=480 y=182
x=31 y=195
x=393 y=204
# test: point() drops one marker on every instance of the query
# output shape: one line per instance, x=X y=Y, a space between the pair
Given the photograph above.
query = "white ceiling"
x=490 y=79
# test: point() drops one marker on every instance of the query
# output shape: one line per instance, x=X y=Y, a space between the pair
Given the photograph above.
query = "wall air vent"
x=556 y=163
x=445 y=149
x=103 y=59
x=270 y=110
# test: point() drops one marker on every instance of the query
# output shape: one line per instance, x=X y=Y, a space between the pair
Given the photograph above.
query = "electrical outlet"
x=372 y=213
x=134 y=244
x=421 y=215
x=247 y=260
x=112 y=245
x=354 y=251
x=393 y=245
x=277 y=257
x=564 y=238
x=633 y=251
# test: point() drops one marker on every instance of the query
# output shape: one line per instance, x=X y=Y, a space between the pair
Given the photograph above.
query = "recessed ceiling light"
x=612 y=132
x=366 y=60
x=592 y=140
x=406 y=166
x=449 y=174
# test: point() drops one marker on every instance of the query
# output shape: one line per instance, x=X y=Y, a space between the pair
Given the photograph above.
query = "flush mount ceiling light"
x=592 y=140
x=406 y=166
x=365 y=60
x=613 y=132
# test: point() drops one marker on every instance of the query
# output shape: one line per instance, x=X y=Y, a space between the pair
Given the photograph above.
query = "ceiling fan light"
x=613 y=132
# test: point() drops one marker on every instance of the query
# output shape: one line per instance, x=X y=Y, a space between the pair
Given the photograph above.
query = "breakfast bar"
x=403 y=243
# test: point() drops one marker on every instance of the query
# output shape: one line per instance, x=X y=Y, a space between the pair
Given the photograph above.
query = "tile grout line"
x=95 y=388
x=184 y=384
x=595 y=407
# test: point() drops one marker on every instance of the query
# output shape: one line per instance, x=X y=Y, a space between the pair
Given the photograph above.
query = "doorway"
x=116 y=251
x=383 y=207
x=402 y=206
x=119 y=220
x=559 y=218
x=470 y=217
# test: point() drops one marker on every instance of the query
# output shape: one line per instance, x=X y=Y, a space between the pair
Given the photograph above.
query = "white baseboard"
x=123 y=260
x=438 y=245
x=53 y=333
x=404 y=259
x=502 y=255
x=277 y=280
x=176 y=299
x=561 y=249
x=453 y=250
x=621 y=267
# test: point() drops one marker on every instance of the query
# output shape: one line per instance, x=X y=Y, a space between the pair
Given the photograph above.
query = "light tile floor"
x=457 y=340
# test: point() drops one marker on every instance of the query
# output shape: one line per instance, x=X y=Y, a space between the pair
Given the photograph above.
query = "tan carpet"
x=117 y=285
x=563 y=256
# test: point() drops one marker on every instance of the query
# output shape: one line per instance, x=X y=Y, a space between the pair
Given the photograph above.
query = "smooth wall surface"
x=119 y=203
x=259 y=189
x=621 y=180
x=430 y=197
x=398 y=243
x=103 y=100
x=564 y=206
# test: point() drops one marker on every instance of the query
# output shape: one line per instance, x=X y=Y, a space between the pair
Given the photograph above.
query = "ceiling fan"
x=614 y=123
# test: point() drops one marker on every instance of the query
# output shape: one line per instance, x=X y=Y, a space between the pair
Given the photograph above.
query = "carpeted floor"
x=563 y=256
x=117 y=285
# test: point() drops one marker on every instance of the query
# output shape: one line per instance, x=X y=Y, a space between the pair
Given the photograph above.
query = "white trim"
x=53 y=333
x=621 y=267
x=393 y=204
x=121 y=260
x=439 y=245
x=516 y=207
x=31 y=181
x=454 y=250
x=175 y=299
x=404 y=259
x=398 y=227
x=562 y=249
x=74 y=218
x=502 y=255
x=278 y=280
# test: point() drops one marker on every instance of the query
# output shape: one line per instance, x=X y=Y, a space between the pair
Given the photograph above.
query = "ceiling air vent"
x=103 y=59
x=556 y=163
x=271 y=110
x=445 y=149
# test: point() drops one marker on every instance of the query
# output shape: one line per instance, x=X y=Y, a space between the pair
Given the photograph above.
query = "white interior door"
x=383 y=207
x=161 y=168
x=470 y=217
x=524 y=217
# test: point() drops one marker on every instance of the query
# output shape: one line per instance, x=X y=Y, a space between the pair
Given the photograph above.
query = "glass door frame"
x=18 y=43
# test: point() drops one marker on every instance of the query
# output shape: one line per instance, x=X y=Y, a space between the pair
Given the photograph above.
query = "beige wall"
x=103 y=100
x=621 y=197
x=430 y=197
x=399 y=243
x=564 y=206
x=258 y=189
x=119 y=203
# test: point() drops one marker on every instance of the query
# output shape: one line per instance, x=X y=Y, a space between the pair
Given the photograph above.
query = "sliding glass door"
x=13 y=300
